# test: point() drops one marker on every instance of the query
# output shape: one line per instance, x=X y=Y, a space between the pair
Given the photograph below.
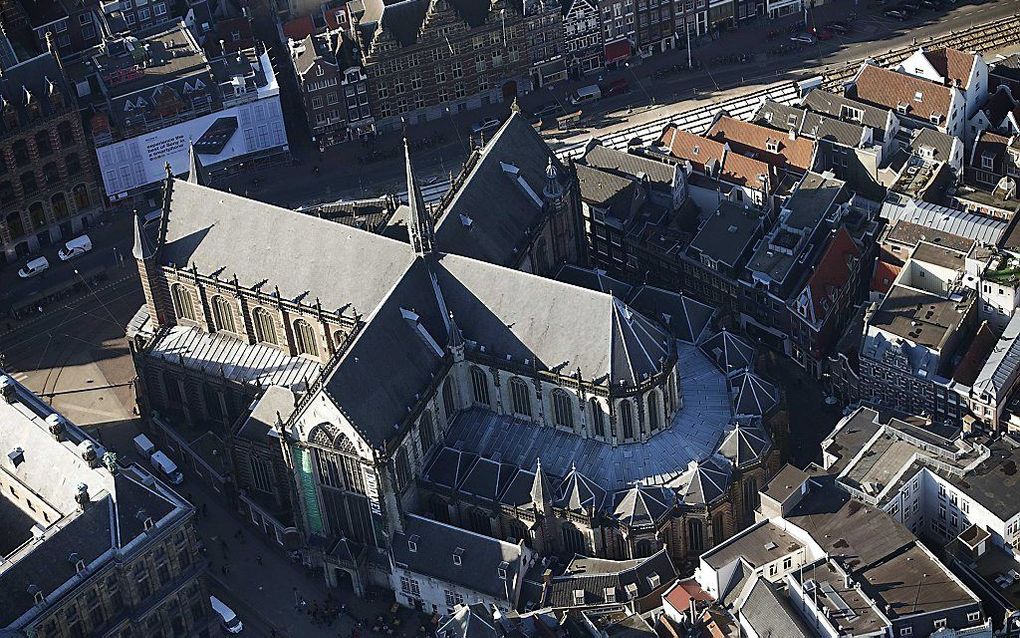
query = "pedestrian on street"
x=258 y=559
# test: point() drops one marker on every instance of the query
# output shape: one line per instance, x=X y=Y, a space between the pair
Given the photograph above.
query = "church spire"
x=419 y=221
x=196 y=172
x=541 y=491
x=553 y=190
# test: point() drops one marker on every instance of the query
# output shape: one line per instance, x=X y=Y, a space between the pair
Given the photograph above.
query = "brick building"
x=424 y=60
x=582 y=36
x=48 y=189
x=334 y=87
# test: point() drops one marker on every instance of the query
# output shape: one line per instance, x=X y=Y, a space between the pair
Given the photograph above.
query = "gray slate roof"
x=301 y=254
x=704 y=482
x=746 y=444
x=594 y=576
x=496 y=230
x=770 y=613
x=481 y=556
x=940 y=142
x=606 y=190
x=837 y=105
x=469 y=621
x=753 y=396
x=622 y=163
x=730 y=352
x=642 y=505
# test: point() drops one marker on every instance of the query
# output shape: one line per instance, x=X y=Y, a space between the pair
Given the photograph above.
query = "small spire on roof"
x=419 y=222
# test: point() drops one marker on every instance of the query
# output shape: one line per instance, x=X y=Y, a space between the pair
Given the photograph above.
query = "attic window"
x=731 y=229
x=771 y=545
x=457 y=555
x=928 y=152
x=653 y=581
x=768 y=116
x=918 y=96
x=772 y=146
x=610 y=594
x=935 y=118
x=631 y=589
x=791 y=120
x=412 y=543
x=902 y=108
x=578 y=597
x=696 y=150
x=501 y=570
x=851 y=113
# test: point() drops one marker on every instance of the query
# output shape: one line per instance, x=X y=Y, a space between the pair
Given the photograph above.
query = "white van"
x=585 y=94
x=228 y=618
x=144 y=446
x=162 y=464
x=34 y=267
x=75 y=248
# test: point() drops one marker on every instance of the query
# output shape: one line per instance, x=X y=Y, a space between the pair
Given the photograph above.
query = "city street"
x=110 y=256
x=342 y=175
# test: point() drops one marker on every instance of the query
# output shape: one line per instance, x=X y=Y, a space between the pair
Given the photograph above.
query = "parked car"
x=75 y=248
x=549 y=110
x=894 y=14
x=228 y=619
x=839 y=27
x=585 y=94
x=616 y=87
x=487 y=124
x=803 y=38
x=166 y=467
x=144 y=445
x=34 y=267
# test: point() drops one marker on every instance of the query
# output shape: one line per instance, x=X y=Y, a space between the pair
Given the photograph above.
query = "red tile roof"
x=952 y=64
x=831 y=274
x=681 y=595
x=334 y=16
x=699 y=151
x=748 y=138
x=885 y=274
x=299 y=28
x=889 y=89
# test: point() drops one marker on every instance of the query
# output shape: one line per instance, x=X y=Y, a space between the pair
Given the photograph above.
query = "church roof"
x=577 y=492
x=469 y=621
x=746 y=443
x=704 y=482
x=753 y=396
x=226 y=235
x=686 y=318
x=197 y=174
x=642 y=505
x=510 y=170
x=144 y=246
x=730 y=352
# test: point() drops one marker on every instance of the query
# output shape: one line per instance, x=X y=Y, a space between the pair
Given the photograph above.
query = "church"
x=460 y=368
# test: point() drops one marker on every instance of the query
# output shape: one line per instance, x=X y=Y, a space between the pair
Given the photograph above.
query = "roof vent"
x=37 y=594
x=7 y=389
x=466 y=221
x=458 y=555
x=412 y=543
x=769 y=546
x=16 y=456
x=55 y=424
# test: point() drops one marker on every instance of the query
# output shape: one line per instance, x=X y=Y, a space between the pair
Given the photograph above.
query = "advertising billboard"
x=233 y=132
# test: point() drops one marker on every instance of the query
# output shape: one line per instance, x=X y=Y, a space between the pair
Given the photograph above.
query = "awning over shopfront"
x=554 y=70
x=617 y=51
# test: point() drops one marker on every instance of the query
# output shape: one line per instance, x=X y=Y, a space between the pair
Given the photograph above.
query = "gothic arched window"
x=265 y=330
x=182 y=302
x=304 y=338
x=223 y=315
x=480 y=386
x=563 y=413
x=519 y=397
x=626 y=419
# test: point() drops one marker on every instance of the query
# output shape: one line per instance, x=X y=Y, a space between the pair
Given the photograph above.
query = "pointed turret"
x=143 y=248
x=541 y=491
x=196 y=172
x=553 y=190
x=419 y=221
x=455 y=340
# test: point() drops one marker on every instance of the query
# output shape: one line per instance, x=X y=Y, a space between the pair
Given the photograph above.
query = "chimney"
x=793 y=135
x=7 y=389
x=82 y=496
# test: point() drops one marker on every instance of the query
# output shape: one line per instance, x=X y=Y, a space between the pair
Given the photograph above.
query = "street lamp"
x=640 y=84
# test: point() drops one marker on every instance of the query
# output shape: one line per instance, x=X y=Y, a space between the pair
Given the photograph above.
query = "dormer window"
x=610 y=594
x=578 y=597
x=918 y=96
x=412 y=543
x=502 y=569
x=772 y=146
x=458 y=555
x=318 y=71
x=791 y=120
x=902 y=108
x=935 y=118
x=987 y=161
x=653 y=581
